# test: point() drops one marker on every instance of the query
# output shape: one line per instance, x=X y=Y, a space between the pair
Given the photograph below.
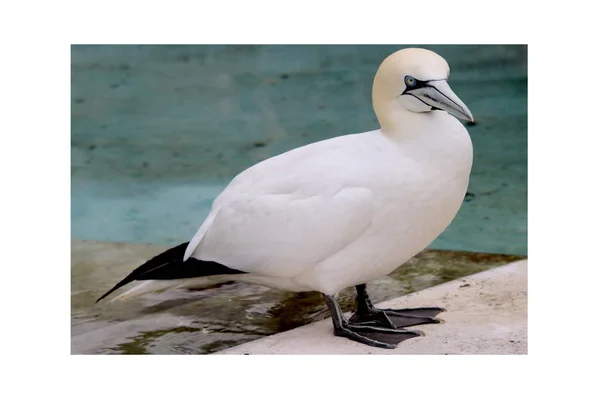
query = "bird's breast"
x=429 y=186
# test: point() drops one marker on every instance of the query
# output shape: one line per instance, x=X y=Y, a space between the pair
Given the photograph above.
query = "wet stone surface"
x=222 y=316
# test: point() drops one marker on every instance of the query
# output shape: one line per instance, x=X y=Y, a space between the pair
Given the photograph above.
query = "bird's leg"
x=367 y=315
x=370 y=335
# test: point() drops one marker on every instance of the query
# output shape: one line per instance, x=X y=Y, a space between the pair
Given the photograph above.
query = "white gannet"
x=340 y=212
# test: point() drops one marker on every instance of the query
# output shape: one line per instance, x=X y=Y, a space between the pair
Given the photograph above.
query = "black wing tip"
x=170 y=265
x=172 y=254
x=105 y=295
x=117 y=286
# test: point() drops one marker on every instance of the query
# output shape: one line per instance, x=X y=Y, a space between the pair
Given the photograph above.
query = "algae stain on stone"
x=219 y=345
x=139 y=344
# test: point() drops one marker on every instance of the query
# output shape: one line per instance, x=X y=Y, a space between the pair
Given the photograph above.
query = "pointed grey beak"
x=438 y=94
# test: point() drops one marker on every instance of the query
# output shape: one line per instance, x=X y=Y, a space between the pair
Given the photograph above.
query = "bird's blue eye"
x=410 y=81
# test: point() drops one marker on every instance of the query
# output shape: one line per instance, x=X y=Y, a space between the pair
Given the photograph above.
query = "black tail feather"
x=170 y=265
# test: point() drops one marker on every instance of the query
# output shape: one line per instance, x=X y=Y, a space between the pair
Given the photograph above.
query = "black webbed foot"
x=401 y=318
x=367 y=315
x=383 y=337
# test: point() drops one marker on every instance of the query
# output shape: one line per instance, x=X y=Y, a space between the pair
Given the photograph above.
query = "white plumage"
x=348 y=210
x=339 y=212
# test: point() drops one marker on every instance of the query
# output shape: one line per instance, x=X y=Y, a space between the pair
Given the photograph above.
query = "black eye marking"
x=409 y=81
x=413 y=83
x=417 y=84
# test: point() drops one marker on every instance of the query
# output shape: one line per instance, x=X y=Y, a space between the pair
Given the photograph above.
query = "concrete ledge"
x=487 y=314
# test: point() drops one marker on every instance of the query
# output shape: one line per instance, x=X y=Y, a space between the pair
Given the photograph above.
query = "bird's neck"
x=398 y=122
x=431 y=135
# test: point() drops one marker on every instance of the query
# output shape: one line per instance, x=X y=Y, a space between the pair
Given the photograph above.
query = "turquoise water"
x=158 y=131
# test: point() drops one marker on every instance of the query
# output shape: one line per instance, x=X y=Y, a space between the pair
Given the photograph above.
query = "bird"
x=341 y=212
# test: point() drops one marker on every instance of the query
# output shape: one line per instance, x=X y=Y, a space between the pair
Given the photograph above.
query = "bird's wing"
x=282 y=234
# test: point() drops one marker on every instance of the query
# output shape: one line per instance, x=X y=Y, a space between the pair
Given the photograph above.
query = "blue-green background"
x=158 y=131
